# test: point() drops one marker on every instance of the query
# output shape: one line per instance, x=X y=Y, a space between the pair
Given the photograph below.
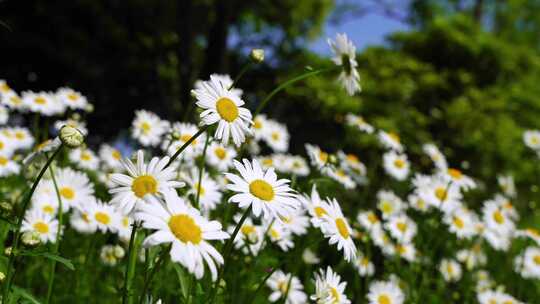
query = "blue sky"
x=363 y=31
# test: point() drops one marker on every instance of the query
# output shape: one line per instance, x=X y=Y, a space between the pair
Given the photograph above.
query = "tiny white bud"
x=257 y=55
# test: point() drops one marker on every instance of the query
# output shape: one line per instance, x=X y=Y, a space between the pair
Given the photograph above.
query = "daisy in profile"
x=406 y=251
x=110 y=157
x=220 y=105
x=251 y=236
x=208 y=189
x=532 y=139
x=124 y=227
x=220 y=156
x=352 y=165
x=84 y=158
x=495 y=218
x=40 y=150
x=336 y=228
x=282 y=284
x=71 y=99
x=390 y=140
x=496 y=297
x=363 y=265
x=396 y=165
x=148 y=128
x=315 y=206
x=180 y=134
x=44 y=224
x=182 y=225
x=340 y=176
x=402 y=228
x=262 y=190
x=297 y=223
x=13 y=101
x=359 y=122
x=345 y=56
x=459 y=179
x=385 y=292
x=450 y=270
x=8 y=166
x=141 y=180
x=506 y=182
x=436 y=156
x=105 y=216
x=279 y=235
x=329 y=289
x=528 y=263
x=319 y=158
x=462 y=222
x=75 y=188
x=277 y=136
x=260 y=126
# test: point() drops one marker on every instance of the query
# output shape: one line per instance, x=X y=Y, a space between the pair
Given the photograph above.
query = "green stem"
x=261 y=284
x=201 y=172
x=146 y=284
x=26 y=201
x=242 y=72
x=227 y=252
x=57 y=244
x=286 y=84
x=186 y=144
x=127 y=297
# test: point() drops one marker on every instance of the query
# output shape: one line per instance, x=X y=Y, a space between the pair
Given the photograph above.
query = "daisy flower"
x=363 y=265
x=310 y=257
x=141 y=180
x=277 y=136
x=389 y=203
x=220 y=156
x=148 y=128
x=279 y=235
x=260 y=126
x=180 y=134
x=528 y=263
x=368 y=220
x=74 y=187
x=390 y=141
x=7 y=145
x=42 y=102
x=283 y=284
x=439 y=193
x=462 y=222
x=319 y=159
x=182 y=225
x=341 y=177
x=345 y=56
x=22 y=138
x=495 y=218
x=227 y=82
x=359 y=122
x=46 y=201
x=111 y=254
x=12 y=101
x=209 y=195
x=459 y=179
x=315 y=206
x=450 y=270
x=402 y=228
x=44 y=224
x=84 y=158
x=124 y=228
x=406 y=251
x=335 y=227
x=396 y=165
x=436 y=156
x=4 y=115
x=417 y=203
x=506 y=182
x=352 y=165
x=328 y=288
x=297 y=165
x=71 y=99
x=262 y=190
x=250 y=235
x=532 y=139
x=105 y=216
x=496 y=297
x=220 y=105
x=297 y=223
x=8 y=166
x=111 y=157
x=82 y=223
x=473 y=257
x=385 y=292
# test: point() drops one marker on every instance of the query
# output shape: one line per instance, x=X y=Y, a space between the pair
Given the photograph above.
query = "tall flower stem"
x=286 y=84
x=242 y=72
x=15 y=247
x=186 y=144
x=227 y=253
x=127 y=297
x=201 y=172
x=57 y=244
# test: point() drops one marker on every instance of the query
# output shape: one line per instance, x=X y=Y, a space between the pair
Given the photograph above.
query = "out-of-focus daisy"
x=359 y=122
x=496 y=297
x=46 y=201
x=390 y=141
x=310 y=257
x=82 y=223
x=389 y=203
x=495 y=218
x=329 y=289
x=506 y=182
x=335 y=227
x=41 y=149
x=42 y=102
x=220 y=105
x=381 y=292
x=319 y=158
x=417 y=203
x=462 y=222
x=44 y=224
x=406 y=251
x=279 y=235
x=7 y=145
x=368 y=220
x=251 y=236
x=315 y=206
x=339 y=175
x=532 y=233
x=8 y=166
x=363 y=265
x=436 y=156
x=277 y=136
x=283 y=284
x=532 y=139
x=182 y=133
x=77 y=124
x=528 y=263
x=12 y=101
x=84 y=158
x=124 y=227
x=141 y=180
x=353 y=166
x=262 y=190
x=345 y=56
x=220 y=156
x=396 y=165
x=440 y=193
x=71 y=99
x=4 y=115
x=22 y=138
x=459 y=179
x=111 y=254
x=472 y=257
x=74 y=187
x=111 y=157
x=260 y=126
x=182 y=225
x=450 y=270
x=208 y=189
x=297 y=222
x=148 y=128
x=103 y=215
x=402 y=228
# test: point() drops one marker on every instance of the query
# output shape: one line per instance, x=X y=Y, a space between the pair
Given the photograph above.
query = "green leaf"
x=25 y=295
x=48 y=255
x=183 y=278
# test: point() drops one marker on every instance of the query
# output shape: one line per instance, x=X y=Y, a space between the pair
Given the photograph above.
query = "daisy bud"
x=71 y=137
x=8 y=251
x=119 y=252
x=257 y=55
x=30 y=239
x=89 y=108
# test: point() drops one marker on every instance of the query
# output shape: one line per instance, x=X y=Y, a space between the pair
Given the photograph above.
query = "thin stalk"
x=146 y=284
x=57 y=244
x=201 y=172
x=286 y=295
x=186 y=144
x=288 y=83
x=261 y=284
x=242 y=72
x=15 y=247
x=127 y=297
x=227 y=252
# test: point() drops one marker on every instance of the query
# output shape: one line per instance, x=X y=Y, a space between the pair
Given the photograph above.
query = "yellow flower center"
x=4 y=88
x=185 y=229
x=384 y=299
x=372 y=218
x=323 y=156
x=3 y=161
x=537 y=259
x=41 y=227
x=145 y=127
x=125 y=221
x=257 y=124
x=335 y=294
x=103 y=218
x=144 y=185
x=67 y=192
x=1 y=145
x=458 y=222
x=342 y=228
x=85 y=217
x=86 y=156
x=268 y=162
x=116 y=154
x=227 y=109
x=319 y=211
x=73 y=96
x=402 y=226
x=48 y=209
x=262 y=190
x=386 y=207
x=455 y=173
x=441 y=193
x=15 y=100
x=40 y=100
x=20 y=135
x=449 y=269
x=353 y=158
x=498 y=217
x=394 y=137
x=247 y=229
x=364 y=262
x=199 y=188
x=274 y=233
x=275 y=136
x=399 y=163
x=186 y=137
x=283 y=286
x=220 y=153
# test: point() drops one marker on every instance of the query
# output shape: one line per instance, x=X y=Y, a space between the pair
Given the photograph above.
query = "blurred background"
x=464 y=74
